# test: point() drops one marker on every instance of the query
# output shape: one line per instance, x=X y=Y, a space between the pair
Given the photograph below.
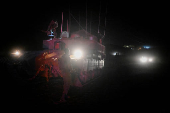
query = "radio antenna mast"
x=99 y=17
x=69 y=28
x=105 y=21
x=86 y=15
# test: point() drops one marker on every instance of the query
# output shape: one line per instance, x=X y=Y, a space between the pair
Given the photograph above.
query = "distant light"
x=126 y=46
x=115 y=53
x=146 y=47
x=139 y=48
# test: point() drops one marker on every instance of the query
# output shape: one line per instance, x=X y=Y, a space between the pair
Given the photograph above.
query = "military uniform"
x=65 y=67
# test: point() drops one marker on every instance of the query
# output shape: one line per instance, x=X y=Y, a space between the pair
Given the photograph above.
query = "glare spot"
x=143 y=59
x=150 y=59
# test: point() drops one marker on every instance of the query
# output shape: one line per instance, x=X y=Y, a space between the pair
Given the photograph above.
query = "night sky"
x=141 y=22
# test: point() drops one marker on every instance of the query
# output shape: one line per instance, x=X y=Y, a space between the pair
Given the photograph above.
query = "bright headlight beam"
x=78 y=54
x=16 y=53
x=143 y=59
x=150 y=60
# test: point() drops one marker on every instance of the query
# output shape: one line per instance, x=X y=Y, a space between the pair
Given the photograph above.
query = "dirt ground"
x=122 y=87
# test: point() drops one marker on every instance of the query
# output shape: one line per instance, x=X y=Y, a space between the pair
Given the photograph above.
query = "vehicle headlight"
x=143 y=59
x=78 y=54
x=17 y=53
x=150 y=59
x=146 y=59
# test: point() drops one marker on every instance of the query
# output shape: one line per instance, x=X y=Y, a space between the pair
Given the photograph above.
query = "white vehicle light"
x=17 y=53
x=150 y=59
x=78 y=54
x=143 y=59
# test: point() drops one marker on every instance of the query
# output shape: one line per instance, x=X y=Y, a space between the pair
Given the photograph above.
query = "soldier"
x=65 y=68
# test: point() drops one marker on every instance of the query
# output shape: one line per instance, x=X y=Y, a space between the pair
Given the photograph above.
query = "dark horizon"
x=137 y=23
